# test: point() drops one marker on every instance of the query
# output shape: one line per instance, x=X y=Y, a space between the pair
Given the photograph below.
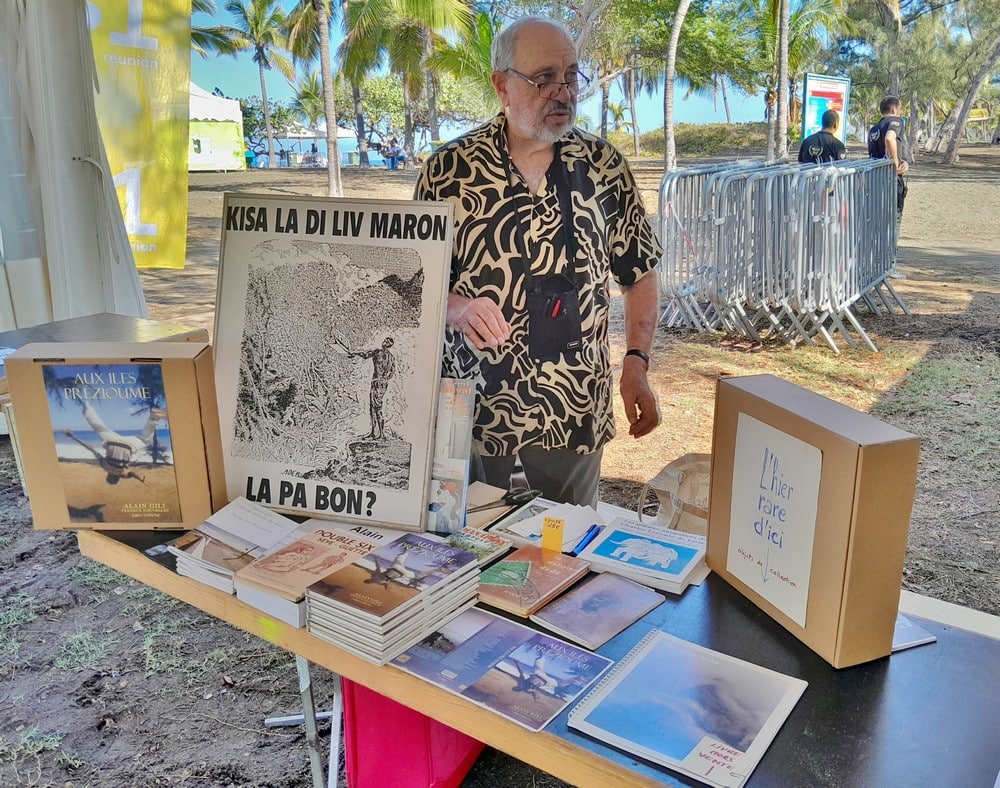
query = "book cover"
x=907 y=634
x=655 y=552
x=289 y=570
x=123 y=436
x=598 y=609
x=389 y=579
x=328 y=332
x=113 y=443
x=527 y=676
x=689 y=708
x=452 y=452
x=487 y=547
x=523 y=581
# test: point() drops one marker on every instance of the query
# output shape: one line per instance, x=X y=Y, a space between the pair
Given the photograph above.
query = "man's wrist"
x=640 y=354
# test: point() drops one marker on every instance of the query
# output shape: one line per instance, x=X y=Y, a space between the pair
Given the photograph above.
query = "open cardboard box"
x=809 y=513
x=118 y=435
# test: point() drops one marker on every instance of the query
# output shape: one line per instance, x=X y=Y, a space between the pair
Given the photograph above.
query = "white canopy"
x=208 y=106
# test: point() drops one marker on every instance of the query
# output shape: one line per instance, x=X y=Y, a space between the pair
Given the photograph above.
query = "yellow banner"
x=143 y=56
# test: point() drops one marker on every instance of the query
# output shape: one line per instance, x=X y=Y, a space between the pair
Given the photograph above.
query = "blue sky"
x=238 y=78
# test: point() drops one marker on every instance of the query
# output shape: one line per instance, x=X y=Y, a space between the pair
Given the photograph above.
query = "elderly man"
x=546 y=216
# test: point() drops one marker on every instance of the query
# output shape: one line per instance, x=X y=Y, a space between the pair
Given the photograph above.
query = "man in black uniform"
x=823 y=146
x=883 y=143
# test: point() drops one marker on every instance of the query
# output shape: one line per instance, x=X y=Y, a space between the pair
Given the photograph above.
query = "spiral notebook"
x=689 y=708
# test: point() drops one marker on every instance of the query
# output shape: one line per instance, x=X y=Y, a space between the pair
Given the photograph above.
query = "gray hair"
x=505 y=42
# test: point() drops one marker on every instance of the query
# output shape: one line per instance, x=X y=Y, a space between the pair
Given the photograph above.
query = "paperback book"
x=523 y=581
x=277 y=582
x=452 y=452
x=651 y=555
x=487 y=547
x=232 y=538
x=907 y=634
x=598 y=609
x=524 y=675
x=524 y=526
x=700 y=712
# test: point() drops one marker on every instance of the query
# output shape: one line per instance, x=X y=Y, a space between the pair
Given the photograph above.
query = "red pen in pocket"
x=556 y=308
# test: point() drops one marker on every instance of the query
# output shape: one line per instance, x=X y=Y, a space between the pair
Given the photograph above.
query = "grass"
x=698 y=139
x=18 y=609
x=81 y=650
x=97 y=578
x=27 y=750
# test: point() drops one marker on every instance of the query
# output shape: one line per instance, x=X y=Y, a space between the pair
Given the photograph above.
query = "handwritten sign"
x=552 y=534
x=773 y=515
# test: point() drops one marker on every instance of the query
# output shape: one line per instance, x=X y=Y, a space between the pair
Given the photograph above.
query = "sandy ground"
x=104 y=683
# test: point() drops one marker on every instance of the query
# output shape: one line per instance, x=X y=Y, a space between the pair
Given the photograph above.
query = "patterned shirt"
x=565 y=403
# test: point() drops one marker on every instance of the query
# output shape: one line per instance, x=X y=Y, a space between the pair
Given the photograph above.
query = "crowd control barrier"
x=773 y=249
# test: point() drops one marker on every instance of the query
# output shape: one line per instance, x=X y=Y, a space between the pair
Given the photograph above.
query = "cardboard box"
x=809 y=513
x=101 y=327
x=118 y=435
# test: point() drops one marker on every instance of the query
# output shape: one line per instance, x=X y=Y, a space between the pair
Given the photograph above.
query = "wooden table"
x=926 y=716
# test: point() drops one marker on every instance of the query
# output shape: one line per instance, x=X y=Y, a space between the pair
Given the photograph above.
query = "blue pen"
x=588 y=537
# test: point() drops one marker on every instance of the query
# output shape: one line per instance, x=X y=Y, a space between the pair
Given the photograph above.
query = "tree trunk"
x=769 y=114
x=267 y=119
x=913 y=128
x=433 y=122
x=359 y=126
x=725 y=99
x=669 y=71
x=334 y=185
x=951 y=152
x=783 y=103
x=630 y=89
x=604 y=109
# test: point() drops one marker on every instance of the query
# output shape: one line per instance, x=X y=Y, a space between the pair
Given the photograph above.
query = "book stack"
x=231 y=539
x=382 y=603
x=528 y=578
x=654 y=556
x=276 y=584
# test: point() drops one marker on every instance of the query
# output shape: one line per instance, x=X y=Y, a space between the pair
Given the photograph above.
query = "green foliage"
x=282 y=118
x=29 y=746
x=18 y=610
x=710 y=139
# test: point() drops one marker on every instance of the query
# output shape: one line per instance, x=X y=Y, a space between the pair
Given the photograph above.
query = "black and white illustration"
x=328 y=343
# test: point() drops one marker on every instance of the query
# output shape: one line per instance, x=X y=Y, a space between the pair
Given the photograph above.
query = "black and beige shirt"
x=500 y=228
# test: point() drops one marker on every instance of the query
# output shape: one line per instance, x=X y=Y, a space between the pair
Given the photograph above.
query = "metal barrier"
x=772 y=249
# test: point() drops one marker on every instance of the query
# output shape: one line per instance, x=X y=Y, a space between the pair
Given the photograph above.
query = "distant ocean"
x=69 y=448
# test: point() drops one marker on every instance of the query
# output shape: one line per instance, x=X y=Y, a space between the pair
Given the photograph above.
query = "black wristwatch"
x=641 y=354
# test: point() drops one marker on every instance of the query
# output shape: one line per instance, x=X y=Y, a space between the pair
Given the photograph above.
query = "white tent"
x=72 y=256
x=215 y=132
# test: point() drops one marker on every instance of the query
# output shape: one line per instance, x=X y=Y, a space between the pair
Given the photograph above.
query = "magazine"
x=526 y=676
x=689 y=708
x=598 y=609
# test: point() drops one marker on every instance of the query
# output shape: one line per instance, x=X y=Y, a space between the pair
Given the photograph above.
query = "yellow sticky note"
x=552 y=533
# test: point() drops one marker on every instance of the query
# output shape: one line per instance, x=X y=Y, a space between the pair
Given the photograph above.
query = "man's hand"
x=903 y=167
x=638 y=397
x=479 y=319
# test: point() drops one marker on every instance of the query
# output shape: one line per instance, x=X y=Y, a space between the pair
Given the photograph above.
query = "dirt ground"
x=106 y=683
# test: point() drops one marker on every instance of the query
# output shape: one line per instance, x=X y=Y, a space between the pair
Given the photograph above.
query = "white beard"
x=534 y=127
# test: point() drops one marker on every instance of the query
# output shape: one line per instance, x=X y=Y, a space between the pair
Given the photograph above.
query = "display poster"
x=776 y=481
x=142 y=53
x=328 y=341
x=820 y=93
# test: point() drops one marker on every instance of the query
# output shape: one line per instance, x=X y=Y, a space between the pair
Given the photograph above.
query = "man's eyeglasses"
x=550 y=90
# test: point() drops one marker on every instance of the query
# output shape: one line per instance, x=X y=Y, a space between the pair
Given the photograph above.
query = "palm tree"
x=207 y=40
x=258 y=25
x=401 y=34
x=309 y=37
x=308 y=101
x=669 y=71
x=618 y=110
